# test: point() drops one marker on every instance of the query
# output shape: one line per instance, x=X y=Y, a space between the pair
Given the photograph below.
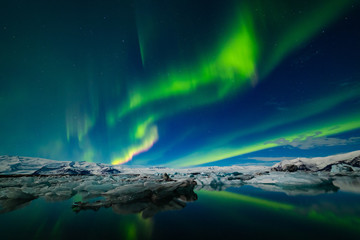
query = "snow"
x=318 y=163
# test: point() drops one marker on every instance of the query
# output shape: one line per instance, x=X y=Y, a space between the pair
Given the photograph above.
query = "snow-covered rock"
x=319 y=163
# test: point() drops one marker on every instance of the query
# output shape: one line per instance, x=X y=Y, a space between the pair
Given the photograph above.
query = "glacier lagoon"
x=317 y=198
x=232 y=213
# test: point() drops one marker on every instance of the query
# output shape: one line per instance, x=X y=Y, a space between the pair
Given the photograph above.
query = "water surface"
x=239 y=212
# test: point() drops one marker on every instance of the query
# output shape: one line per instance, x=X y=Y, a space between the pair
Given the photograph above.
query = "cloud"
x=271 y=159
x=314 y=141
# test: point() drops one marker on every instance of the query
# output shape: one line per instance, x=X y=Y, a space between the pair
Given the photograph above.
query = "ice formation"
x=149 y=190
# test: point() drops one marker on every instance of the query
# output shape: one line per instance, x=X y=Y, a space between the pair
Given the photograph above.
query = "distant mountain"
x=14 y=165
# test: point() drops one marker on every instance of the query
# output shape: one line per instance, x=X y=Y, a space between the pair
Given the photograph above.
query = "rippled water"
x=236 y=213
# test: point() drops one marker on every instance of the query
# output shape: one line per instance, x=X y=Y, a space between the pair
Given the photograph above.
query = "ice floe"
x=23 y=179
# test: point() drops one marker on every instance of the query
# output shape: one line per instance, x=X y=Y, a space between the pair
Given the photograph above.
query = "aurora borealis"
x=179 y=83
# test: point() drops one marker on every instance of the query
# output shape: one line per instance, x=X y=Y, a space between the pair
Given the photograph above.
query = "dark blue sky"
x=179 y=83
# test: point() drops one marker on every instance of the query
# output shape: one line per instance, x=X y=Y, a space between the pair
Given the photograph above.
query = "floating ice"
x=24 y=179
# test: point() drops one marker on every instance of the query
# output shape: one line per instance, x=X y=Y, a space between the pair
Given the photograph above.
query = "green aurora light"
x=114 y=97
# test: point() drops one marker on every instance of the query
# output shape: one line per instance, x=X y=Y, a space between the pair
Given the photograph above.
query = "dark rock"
x=110 y=170
x=167 y=178
x=241 y=177
x=291 y=168
x=355 y=162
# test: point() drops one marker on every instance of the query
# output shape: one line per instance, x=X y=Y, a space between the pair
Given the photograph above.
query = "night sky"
x=179 y=83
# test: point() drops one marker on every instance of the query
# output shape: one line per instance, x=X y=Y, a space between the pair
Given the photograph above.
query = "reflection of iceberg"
x=148 y=198
x=11 y=204
x=348 y=184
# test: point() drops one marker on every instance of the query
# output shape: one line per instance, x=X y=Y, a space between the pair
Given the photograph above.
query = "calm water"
x=237 y=213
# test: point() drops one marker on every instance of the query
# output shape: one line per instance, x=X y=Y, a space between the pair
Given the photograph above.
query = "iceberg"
x=154 y=189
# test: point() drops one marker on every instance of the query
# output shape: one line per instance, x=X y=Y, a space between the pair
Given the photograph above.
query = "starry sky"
x=179 y=83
